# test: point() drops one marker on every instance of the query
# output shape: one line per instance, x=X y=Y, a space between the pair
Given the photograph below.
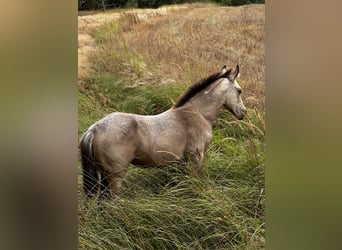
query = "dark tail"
x=90 y=164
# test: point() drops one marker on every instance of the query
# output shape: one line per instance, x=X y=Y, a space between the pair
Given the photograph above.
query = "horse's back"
x=116 y=125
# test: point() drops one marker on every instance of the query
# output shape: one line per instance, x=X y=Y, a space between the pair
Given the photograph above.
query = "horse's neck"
x=209 y=102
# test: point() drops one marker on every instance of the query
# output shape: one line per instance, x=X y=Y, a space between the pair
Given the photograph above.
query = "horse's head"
x=233 y=101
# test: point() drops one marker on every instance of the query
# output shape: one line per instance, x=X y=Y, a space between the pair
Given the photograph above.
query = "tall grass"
x=177 y=207
x=187 y=44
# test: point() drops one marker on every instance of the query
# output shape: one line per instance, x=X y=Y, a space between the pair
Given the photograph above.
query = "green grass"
x=175 y=207
x=222 y=207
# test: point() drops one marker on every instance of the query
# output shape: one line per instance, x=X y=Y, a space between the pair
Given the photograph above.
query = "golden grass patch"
x=187 y=44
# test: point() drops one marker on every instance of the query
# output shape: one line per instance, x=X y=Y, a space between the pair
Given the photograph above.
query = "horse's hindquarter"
x=115 y=139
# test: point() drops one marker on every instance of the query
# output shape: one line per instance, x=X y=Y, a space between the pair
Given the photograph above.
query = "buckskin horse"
x=184 y=130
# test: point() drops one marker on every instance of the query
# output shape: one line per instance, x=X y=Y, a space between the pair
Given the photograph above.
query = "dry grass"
x=90 y=21
x=199 y=38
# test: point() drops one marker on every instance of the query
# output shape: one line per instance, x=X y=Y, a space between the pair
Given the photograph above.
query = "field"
x=140 y=61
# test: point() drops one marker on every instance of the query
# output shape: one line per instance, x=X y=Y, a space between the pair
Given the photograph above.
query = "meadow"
x=142 y=64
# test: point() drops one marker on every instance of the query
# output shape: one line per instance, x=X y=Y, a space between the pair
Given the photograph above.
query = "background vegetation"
x=105 y=4
x=141 y=65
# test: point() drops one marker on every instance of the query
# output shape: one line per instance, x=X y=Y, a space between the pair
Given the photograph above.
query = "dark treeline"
x=109 y=4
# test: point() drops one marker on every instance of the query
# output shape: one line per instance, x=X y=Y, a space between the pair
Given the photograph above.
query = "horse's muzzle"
x=242 y=114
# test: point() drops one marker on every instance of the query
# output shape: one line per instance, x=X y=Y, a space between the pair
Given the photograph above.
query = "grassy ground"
x=142 y=66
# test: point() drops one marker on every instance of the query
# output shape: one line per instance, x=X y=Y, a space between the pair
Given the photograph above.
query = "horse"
x=185 y=130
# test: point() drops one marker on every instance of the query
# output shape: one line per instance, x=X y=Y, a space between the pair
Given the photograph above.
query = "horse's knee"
x=197 y=157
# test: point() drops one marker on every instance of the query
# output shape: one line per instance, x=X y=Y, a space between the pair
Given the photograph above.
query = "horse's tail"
x=89 y=163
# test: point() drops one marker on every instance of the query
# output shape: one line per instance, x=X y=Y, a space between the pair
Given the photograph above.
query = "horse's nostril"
x=244 y=111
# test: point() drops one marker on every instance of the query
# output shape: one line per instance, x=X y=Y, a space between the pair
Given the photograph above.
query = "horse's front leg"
x=196 y=157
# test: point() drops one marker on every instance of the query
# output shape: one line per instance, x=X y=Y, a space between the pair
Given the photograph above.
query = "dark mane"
x=197 y=87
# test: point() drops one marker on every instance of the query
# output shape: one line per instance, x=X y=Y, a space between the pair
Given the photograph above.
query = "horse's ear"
x=234 y=74
x=223 y=70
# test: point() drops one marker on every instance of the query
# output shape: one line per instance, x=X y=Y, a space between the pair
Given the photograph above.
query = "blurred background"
x=38 y=66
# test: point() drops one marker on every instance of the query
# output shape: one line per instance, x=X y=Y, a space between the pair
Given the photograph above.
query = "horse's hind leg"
x=113 y=171
x=115 y=178
x=111 y=181
x=105 y=185
x=114 y=161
